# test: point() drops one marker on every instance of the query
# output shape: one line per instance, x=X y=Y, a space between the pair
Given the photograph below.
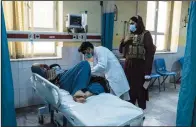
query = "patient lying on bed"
x=79 y=82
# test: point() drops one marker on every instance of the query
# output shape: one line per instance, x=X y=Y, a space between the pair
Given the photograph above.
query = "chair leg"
x=178 y=80
x=153 y=82
x=163 y=82
x=159 y=84
x=175 y=81
x=51 y=114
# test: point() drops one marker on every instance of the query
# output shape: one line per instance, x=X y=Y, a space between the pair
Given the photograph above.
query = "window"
x=42 y=17
x=157 y=22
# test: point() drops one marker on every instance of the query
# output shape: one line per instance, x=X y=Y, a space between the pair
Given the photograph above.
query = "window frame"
x=45 y=54
x=30 y=24
x=155 y=33
x=30 y=6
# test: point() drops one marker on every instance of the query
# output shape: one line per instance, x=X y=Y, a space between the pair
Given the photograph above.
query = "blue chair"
x=181 y=61
x=155 y=77
x=161 y=69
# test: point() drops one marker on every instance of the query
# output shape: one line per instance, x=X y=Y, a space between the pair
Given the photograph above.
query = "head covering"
x=140 y=25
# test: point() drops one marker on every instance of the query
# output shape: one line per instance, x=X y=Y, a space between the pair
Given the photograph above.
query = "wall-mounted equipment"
x=73 y=21
x=76 y=23
x=28 y=36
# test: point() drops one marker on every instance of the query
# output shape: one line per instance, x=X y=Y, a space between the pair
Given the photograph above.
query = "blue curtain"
x=194 y=116
x=8 y=116
x=107 y=29
x=187 y=93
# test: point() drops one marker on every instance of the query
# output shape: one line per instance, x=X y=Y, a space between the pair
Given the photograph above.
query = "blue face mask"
x=88 y=55
x=132 y=28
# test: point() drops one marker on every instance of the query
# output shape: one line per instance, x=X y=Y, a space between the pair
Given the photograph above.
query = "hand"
x=147 y=77
x=122 y=40
x=127 y=38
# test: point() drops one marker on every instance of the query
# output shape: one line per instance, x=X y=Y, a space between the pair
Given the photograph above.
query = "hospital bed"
x=100 y=110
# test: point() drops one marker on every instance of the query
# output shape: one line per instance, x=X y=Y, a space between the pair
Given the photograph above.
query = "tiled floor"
x=161 y=110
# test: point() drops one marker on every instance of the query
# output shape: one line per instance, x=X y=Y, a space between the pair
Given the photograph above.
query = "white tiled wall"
x=24 y=95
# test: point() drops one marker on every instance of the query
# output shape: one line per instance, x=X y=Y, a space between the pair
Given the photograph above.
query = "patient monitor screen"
x=75 y=20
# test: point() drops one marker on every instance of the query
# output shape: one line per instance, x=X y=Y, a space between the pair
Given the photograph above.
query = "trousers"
x=78 y=78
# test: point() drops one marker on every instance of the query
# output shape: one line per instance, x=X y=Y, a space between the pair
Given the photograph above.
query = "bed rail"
x=48 y=91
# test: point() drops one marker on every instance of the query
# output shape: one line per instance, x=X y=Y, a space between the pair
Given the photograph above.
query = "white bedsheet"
x=101 y=110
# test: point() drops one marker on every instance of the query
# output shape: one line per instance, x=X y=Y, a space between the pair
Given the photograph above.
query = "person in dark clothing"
x=139 y=50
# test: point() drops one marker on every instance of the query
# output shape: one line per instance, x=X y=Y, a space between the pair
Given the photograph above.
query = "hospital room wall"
x=126 y=9
x=170 y=58
x=21 y=71
x=93 y=9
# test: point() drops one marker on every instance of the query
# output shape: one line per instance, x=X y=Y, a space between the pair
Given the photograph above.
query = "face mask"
x=88 y=55
x=132 y=28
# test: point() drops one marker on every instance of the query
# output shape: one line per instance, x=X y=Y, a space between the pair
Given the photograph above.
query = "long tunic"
x=136 y=69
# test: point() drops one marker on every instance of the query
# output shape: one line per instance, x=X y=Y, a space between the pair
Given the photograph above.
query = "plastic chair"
x=161 y=69
x=181 y=61
x=155 y=77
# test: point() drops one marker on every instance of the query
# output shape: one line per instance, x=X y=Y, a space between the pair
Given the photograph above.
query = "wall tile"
x=17 y=97
x=38 y=61
x=20 y=63
x=61 y=62
x=23 y=98
x=15 y=74
x=36 y=98
x=70 y=56
x=24 y=77
x=27 y=64
x=30 y=96
x=49 y=62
